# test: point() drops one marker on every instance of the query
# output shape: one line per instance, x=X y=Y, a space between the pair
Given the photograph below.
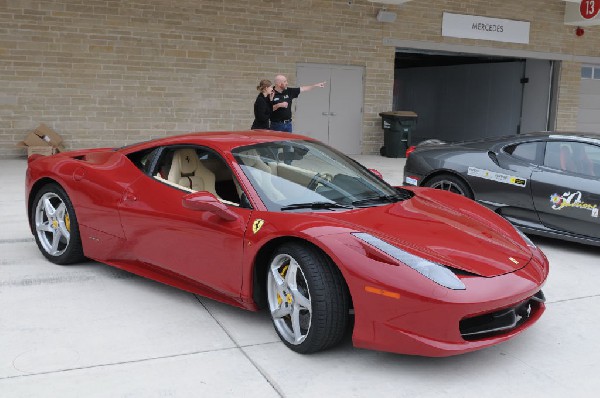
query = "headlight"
x=436 y=272
x=526 y=239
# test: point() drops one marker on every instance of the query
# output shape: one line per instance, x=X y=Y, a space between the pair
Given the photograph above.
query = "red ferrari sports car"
x=262 y=219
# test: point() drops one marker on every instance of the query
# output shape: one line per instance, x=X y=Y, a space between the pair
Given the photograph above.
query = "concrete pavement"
x=90 y=330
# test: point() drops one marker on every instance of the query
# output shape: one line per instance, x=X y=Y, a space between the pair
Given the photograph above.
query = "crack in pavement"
x=573 y=299
x=241 y=348
x=72 y=278
x=57 y=371
x=17 y=240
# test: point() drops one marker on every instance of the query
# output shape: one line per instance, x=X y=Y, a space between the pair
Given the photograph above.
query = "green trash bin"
x=398 y=128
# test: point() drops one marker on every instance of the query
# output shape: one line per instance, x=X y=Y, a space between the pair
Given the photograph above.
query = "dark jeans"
x=282 y=126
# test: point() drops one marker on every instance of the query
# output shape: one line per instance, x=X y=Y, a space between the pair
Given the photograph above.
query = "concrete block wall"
x=568 y=92
x=108 y=73
x=113 y=72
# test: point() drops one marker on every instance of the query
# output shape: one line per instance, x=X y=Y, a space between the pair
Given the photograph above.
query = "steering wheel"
x=319 y=179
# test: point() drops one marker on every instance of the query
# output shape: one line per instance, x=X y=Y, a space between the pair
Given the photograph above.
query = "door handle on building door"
x=332 y=113
x=325 y=113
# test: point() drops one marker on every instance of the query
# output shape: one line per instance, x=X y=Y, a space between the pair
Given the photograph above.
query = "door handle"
x=332 y=113
x=325 y=113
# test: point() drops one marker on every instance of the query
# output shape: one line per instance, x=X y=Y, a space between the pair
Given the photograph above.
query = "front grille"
x=498 y=322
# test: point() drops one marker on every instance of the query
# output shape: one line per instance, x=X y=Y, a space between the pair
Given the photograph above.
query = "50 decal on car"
x=569 y=199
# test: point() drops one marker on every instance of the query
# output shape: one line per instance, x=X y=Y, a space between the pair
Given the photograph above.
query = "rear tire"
x=447 y=182
x=55 y=226
x=307 y=297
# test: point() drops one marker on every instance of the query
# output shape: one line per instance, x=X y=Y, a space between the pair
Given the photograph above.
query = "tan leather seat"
x=187 y=170
x=253 y=159
x=263 y=174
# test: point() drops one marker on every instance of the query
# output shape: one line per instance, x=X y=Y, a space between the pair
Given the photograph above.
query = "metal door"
x=197 y=245
x=566 y=191
x=588 y=116
x=334 y=114
x=535 y=109
x=512 y=194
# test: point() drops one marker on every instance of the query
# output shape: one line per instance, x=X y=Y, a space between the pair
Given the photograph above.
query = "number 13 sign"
x=589 y=8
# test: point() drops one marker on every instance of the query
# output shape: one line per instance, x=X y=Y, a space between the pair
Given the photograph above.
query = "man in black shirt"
x=281 y=118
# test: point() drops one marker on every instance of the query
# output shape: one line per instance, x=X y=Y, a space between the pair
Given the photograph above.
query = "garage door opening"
x=467 y=96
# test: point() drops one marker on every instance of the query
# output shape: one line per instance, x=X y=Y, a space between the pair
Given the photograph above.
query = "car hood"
x=444 y=228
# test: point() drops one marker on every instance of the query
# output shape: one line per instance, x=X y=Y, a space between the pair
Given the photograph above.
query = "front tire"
x=447 y=182
x=307 y=298
x=55 y=226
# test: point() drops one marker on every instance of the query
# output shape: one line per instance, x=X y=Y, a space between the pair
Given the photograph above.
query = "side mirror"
x=377 y=173
x=206 y=201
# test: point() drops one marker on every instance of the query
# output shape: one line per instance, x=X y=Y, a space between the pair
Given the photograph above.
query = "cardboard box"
x=42 y=150
x=42 y=140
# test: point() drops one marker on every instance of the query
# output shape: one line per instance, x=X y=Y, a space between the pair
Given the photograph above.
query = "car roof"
x=224 y=140
x=540 y=135
x=553 y=136
x=495 y=143
x=562 y=135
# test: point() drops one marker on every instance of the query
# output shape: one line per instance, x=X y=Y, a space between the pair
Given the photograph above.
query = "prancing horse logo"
x=257 y=225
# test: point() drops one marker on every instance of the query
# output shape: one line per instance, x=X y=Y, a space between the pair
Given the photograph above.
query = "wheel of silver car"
x=307 y=298
x=55 y=226
x=450 y=183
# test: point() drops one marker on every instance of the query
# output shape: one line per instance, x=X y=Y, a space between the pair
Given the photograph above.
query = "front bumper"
x=410 y=314
x=437 y=328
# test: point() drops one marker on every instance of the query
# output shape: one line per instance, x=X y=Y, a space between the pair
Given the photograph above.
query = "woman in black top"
x=263 y=106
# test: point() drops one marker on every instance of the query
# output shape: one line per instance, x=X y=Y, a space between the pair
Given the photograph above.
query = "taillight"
x=410 y=150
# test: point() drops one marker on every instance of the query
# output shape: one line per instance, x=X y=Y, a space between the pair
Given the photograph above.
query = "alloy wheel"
x=289 y=299
x=52 y=224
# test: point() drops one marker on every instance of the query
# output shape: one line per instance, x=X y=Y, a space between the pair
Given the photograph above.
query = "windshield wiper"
x=316 y=206
x=378 y=199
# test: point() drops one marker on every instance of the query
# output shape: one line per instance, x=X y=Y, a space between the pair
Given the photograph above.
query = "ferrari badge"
x=257 y=225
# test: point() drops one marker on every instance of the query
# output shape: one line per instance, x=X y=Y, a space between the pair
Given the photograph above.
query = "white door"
x=334 y=114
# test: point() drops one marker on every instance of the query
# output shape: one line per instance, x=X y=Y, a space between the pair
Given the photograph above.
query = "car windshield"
x=308 y=176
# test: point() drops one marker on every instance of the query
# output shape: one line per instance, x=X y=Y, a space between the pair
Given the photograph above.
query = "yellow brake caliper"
x=282 y=273
x=67 y=222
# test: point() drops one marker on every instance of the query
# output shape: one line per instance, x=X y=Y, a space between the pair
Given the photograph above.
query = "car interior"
x=572 y=157
x=193 y=169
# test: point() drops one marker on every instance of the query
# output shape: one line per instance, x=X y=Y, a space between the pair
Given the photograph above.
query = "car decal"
x=498 y=177
x=257 y=225
x=569 y=199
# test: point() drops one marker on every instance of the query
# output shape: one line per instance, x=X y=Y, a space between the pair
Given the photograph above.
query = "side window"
x=142 y=159
x=573 y=157
x=589 y=158
x=528 y=151
x=193 y=169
